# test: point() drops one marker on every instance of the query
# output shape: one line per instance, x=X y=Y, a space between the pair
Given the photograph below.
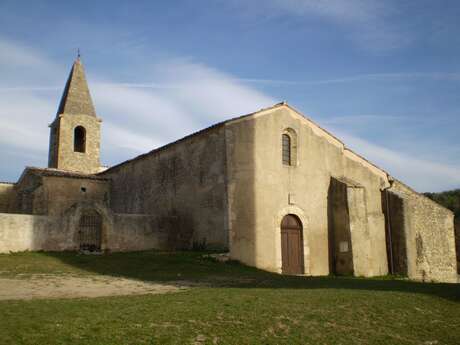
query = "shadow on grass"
x=194 y=268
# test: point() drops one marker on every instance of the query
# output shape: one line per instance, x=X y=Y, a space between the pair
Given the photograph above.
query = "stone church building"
x=272 y=188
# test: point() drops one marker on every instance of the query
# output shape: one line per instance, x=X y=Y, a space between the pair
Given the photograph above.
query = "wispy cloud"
x=356 y=119
x=211 y=79
x=454 y=76
x=30 y=88
x=187 y=97
x=24 y=119
x=15 y=54
x=377 y=77
x=20 y=63
x=346 y=11
x=421 y=174
x=184 y=97
x=364 y=22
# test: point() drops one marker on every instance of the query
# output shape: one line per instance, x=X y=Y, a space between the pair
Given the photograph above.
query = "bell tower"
x=76 y=130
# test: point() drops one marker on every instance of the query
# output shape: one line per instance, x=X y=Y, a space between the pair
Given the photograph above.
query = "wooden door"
x=291 y=245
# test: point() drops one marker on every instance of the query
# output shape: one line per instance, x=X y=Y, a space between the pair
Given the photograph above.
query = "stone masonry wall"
x=430 y=241
x=393 y=206
x=361 y=239
x=67 y=159
x=28 y=191
x=340 y=244
x=53 y=195
x=132 y=232
x=7 y=196
x=120 y=232
x=457 y=243
x=262 y=190
x=182 y=185
x=60 y=193
x=21 y=232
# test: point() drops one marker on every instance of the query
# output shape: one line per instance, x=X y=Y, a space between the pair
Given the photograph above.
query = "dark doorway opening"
x=90 y=231
x=292 y=245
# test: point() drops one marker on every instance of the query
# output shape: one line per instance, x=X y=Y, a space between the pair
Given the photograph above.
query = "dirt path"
x=49 y=286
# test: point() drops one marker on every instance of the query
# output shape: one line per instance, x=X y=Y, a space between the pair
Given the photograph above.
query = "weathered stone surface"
x=393 y=206
x=62 y=153
x=226 y=187
x=75 y=110
x=120 y=232
x=429 y=234
x=76 y=98
x=20 y=232
x=7 y=196
x=182 y=185
x=457 y=243
x=52 y=192
x=259 y=185
x=360 y=225
x=339 y=227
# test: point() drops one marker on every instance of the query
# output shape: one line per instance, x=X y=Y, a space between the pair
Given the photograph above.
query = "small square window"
x=343 y=246
x=83 y=189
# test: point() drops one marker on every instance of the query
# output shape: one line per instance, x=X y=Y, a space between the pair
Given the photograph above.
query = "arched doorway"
x=90 y=231
x=292 y=245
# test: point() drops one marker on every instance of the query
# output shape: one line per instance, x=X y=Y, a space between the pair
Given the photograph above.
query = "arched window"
x=79 y=139
x=286 y=141
x=289 y=147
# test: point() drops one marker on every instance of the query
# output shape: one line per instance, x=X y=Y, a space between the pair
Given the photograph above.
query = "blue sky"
x=383 y=76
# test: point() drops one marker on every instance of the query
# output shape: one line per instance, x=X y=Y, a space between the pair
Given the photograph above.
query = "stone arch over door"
x=73 y=216
x=299 y=213
x=292 y=258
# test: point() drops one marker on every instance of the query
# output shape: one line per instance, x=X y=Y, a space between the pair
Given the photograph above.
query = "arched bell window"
x=79 y=139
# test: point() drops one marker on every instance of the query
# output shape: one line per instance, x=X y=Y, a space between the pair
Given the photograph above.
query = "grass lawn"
x=231 y=304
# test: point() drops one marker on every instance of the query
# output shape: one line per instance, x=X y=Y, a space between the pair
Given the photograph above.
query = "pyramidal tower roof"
x=76 y=98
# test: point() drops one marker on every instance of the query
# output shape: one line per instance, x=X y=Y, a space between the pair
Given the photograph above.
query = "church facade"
x=272 y=188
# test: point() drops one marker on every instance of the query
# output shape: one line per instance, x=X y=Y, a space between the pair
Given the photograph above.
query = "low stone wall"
x=21 y=232
x=429 y=236
x=120 y=232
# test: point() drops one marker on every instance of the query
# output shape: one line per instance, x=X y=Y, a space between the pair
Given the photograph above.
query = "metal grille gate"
x=90 y=232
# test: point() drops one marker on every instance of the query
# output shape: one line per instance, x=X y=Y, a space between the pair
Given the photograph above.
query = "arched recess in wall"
x=79 y=139
x=289 y=147
x=277 y=220
x=74 y=217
